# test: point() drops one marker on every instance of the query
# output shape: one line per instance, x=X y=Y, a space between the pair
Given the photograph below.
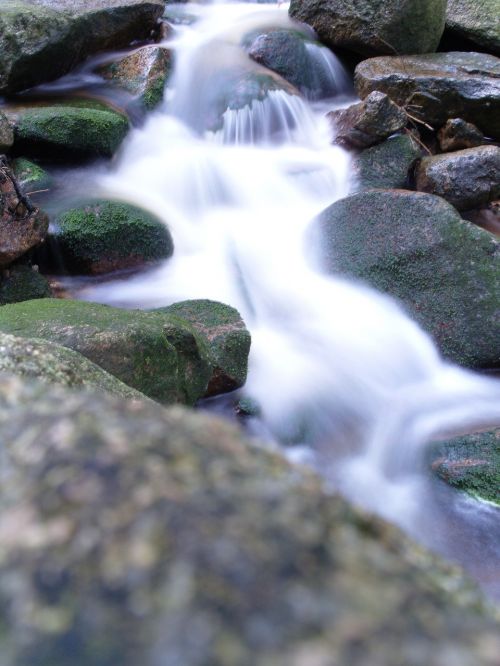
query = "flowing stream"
x=343 y=377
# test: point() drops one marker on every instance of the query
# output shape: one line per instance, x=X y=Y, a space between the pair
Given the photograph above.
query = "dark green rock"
x=160 y=355
x=133 y=534
x=387 y=165
x=438 y=86
x=371 y=27
x=30 y=176
x=466 y=178
x=415 y=247
x=54 y=364
x=69 y=131
x=143 y=73
x=41 y=40
x=471 y=463
x=22 y=283
x=100 y=236
x=226 y=337
x=477 y=21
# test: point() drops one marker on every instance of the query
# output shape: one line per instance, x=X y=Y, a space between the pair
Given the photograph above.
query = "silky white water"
x=334 y=366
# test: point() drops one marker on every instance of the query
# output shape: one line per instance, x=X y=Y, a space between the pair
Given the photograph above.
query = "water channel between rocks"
x=343 y=377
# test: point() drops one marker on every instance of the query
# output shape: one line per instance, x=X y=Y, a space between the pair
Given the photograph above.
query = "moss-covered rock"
x=143 y=73
x=161 y=356
x=30 y=176
x=227 y=339
x=438 y=86
x=415 y=247
x=69 y=131
x=478 y=22
x=372 y=27
x=22 y=225
x=101 y=236
x=471 y=463
x=54 y=364
x=20 y=282
x=387 y=165
x=6 y=133
x=41 y=40
x=128 y=530
x=466 y=178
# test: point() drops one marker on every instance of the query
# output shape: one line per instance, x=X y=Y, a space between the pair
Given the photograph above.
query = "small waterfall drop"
x=334 y=365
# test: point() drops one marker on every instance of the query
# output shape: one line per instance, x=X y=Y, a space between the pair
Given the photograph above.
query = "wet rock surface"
x=41 y=40
x=22 y=225
x=436 y=87
x=466 y=178
x=471 y=463
x=129 y=529
x=51 y=363
x=368 y=122
x=369 y=27
x=6 y=134
x=457 y=134
x=478 y=22
x=21 y=282
x=100 y=236
x=416 y=247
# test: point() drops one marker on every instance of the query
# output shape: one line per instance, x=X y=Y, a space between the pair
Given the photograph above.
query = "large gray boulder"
x=477 y=21
x=41 y=40
x=466 y=178
x=435 y=87
x=133 y=534
x=371 y=27
x=415 y=247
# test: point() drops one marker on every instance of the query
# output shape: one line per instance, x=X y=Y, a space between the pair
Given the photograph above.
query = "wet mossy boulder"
x=371 y=27
x=69 y=132
x=438 y=86
x=386 y=166
x=227 y=338
x=160 y=355
x=415 y=247
x=30 y=176
x=143 y=74
x=51 y=363
x=40 y=40
x=466 y=178
x=478 y=22
x=99 y=236
x=21 y=282
x=22 y=225
x=471 y=463
x=128 y=529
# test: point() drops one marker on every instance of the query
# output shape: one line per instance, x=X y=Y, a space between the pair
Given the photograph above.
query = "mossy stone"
x=22 y=283
x=387 y=165
x=6 y=133
x=476 y=21
x=69 y=131
x=30 y=176
x=100 y=236
x=415 y=247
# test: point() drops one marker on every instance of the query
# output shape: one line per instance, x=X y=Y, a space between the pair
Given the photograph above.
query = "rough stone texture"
x=476 y=20
x=41 y=40
x=69 y=131
x=143 y=74
x=54 y=364
x=488 y=217
x=471 y=463
x=415 y=247
x=372 y=27
x=22 y=283
x=131 y=533
x=467 y=178
x=368 y=122
x=158 y=353
x=438 y=86
x=30 y=176
x=387 y=165
x=101 y=236
x=6 y=134
x=22 y=226
x=457 y=134
x=227 y=338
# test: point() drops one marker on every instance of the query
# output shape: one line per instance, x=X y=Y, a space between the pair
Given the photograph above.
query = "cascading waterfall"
x=334 y=365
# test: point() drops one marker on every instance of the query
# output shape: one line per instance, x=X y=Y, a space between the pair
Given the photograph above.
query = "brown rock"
x=458 y=134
